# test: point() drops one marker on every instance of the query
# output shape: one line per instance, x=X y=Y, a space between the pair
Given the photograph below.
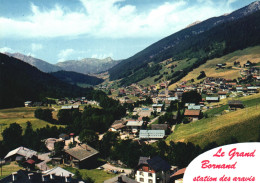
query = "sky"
x=60 y=30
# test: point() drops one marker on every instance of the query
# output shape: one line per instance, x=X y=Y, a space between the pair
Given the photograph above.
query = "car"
x=100 y=168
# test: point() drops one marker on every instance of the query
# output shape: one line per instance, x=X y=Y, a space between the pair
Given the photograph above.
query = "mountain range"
x=208 y=39
x=88 y=65
x=84 y=66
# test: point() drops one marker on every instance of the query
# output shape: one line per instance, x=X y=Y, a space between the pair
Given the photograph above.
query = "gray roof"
x=157 y=105
x=194 y=107
x=82 y=152
x=134 y=123
x=23 y=151
x=159 y=126
x=212 y=98
x=156 y=163
x=58 y=171
x=147 y=134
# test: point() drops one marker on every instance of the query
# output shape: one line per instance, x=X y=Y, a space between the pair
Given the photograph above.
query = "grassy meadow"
x=21 y=115
x=242 y=124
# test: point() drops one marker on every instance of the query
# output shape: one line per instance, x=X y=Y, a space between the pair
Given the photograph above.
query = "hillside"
x=242 y=124
x=75 y=78
x=230 y=72
x=38 y=63
x=20 y=82
x=88 y=65
x=209 y=39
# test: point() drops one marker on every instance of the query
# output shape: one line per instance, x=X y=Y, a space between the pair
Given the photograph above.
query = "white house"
x=152 y=170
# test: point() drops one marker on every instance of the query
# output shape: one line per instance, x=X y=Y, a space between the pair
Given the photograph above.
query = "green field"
x=21 y=115
x=8 y=169
x=242 y=124
x=98 y=176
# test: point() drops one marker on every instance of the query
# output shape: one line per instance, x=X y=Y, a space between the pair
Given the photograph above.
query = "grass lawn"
x=98 y=176
x=8 y=169
x=242 y=124
x=21 y=115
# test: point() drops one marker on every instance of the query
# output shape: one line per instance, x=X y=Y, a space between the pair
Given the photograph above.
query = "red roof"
x=192 y=112
x=71 y=134
x=179 y=172
x=30 y=161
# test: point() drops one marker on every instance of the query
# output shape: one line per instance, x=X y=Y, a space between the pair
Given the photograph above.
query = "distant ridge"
x=88 y=65
x=38 y=63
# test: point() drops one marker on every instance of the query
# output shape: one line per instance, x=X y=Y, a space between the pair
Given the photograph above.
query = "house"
x=58 y=171
x=222 y=94
x=81 y=156
x=28 y=104
x=212 y=99
x=152 y=170
x=157 y=107
x=235 y=104
x=120 y=179
x=21 y=153
x=117 y=126
x=159 y=126
x=194 y=107
x=151 y=134
x=252 y=89
x=23 y=176
x=177 y=177
x=192 y=115
x=134 y=126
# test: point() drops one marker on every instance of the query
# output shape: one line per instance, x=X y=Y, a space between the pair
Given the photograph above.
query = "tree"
x=202 y=75
x=89 y=137
x=12 y=136
x=58 y=147
x=191 y=97
x=29 y=134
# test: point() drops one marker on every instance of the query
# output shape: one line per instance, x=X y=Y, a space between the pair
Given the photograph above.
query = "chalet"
x=21 y=153
x=28 y=104
x=81 y=156
x=235 y=104
x=152 y=170
x=221 y=66
x=222 y=94
x=177 y=177
x=194 y=107
x=212 y=99
x=159 y=127
x=134 y=126
x=192 y=115
x=157 y=107
x=239 y=88
x=58 y=171
x=151 y=134
x=22 y=176
x=252 y=89
x=117 y=126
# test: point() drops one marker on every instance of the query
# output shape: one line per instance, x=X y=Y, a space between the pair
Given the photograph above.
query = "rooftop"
x=82 y=152
x=192 y=112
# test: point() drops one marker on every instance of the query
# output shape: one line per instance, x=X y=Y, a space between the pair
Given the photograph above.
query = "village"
x=145 y=122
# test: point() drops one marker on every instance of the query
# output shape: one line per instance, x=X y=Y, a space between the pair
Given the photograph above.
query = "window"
x=141 y=173
x=150 y=181
x=141 y=179
x=150 y=174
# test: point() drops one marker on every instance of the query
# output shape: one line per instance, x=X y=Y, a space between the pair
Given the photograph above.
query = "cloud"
x=64 y=54
x=36 y=47
x=110 y=19
x=6 y=49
